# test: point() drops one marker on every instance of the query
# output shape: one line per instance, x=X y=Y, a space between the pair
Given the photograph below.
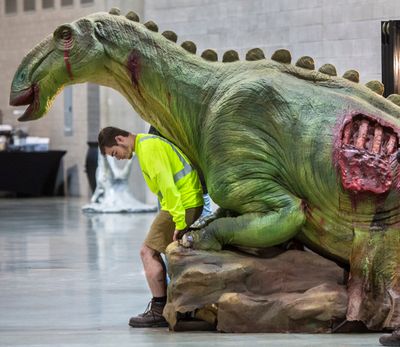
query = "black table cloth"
x=30 y=173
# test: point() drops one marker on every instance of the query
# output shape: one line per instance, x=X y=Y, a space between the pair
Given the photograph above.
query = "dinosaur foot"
x=391 y=340
x=203 y=239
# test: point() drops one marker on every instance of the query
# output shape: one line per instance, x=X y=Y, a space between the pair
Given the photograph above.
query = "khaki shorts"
x=163 y=227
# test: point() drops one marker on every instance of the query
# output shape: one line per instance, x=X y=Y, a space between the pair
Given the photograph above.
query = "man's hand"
x=178 y=234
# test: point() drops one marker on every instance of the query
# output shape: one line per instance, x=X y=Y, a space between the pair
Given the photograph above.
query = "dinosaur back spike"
x=395 y=98
x=282 y=56
x=255 y=54
x=376 y=86
x=328 y=69
x=151 y=26
x=306 y=62
x=132 y=16
x=352 y=75
x=230 y=56
x=115 y=11
x=189 y=46
x=210 y=55
x=170 y=35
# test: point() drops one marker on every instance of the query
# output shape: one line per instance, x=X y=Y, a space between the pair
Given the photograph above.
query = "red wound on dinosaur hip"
x=367 y=155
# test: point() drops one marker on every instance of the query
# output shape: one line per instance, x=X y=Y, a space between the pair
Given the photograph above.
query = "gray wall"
x=344 y=33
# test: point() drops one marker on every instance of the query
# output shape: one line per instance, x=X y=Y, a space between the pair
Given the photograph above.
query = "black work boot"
x=151 y=318
x=391 y=340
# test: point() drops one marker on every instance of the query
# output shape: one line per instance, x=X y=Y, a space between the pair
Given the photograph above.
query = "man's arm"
x=172 y=200
x=161 y=173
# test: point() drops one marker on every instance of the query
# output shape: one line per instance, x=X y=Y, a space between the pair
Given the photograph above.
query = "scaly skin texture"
x=291 y=152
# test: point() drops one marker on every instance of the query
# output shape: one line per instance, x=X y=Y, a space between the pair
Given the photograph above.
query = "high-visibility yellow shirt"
x=169 y=174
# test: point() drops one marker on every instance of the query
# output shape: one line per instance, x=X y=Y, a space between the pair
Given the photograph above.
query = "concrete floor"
x=69 y=279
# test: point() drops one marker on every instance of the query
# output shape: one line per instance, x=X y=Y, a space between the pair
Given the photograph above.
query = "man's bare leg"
x=155 y=272
x=154 y=269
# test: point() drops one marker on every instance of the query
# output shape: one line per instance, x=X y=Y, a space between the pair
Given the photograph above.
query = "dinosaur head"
x=72 y=54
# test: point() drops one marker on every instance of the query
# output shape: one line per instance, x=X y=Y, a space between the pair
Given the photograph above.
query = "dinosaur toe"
x=203 y=239
x=187 y=240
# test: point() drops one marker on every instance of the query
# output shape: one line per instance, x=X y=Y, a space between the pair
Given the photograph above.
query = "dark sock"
x=160 y=299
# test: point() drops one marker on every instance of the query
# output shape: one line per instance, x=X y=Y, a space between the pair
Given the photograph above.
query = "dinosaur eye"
x=66 y=35
x=64 y=38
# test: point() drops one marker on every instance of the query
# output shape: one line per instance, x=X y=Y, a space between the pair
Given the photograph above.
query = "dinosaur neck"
x=169 y=88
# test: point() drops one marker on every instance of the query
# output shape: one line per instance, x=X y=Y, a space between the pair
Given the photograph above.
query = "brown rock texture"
x=294 y=291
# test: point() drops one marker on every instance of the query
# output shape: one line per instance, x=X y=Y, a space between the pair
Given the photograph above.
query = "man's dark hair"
x=107 y=137
x=154 y=131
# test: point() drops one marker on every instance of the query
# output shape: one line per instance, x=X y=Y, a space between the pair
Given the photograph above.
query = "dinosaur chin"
x=29 y=96
x=367 y=155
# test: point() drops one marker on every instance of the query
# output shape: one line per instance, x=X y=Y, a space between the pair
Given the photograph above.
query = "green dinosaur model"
x=289 y=151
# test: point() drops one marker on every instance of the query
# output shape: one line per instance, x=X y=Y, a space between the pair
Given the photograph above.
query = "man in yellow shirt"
x=169 y=174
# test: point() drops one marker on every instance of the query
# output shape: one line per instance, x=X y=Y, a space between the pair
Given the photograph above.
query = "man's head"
x=116 y=142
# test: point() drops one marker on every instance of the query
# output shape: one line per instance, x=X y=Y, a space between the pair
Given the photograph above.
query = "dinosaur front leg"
x=249 y=230
x=202 y=222
x=374 y=283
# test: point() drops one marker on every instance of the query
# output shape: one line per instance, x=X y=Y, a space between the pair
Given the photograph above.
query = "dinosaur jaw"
x=29 y=96
x=367 y=154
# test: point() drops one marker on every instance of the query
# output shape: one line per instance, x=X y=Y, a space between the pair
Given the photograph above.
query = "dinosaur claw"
x=201 y=240
x=187 y=241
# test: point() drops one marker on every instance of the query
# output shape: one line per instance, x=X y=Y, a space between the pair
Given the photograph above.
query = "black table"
x=30 y=173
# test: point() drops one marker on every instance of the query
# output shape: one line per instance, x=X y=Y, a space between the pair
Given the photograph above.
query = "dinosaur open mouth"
x=29 y=97
x=367 y=153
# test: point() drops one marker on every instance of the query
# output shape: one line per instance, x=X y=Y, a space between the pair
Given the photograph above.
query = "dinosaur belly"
x=367 y=155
